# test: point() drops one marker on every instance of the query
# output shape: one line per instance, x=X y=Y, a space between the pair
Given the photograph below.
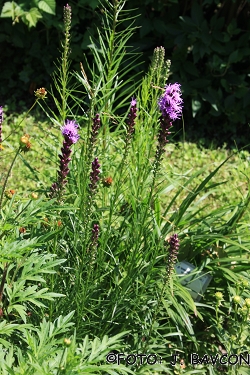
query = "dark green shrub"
x=208 y=43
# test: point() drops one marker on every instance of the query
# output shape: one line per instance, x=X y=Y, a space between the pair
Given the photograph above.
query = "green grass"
x=37 y=168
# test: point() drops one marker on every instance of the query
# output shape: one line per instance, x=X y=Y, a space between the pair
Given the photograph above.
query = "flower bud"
x=41 y=93
x=237 y=300
x=247 y=302
x=66 y=342
x=219 y=296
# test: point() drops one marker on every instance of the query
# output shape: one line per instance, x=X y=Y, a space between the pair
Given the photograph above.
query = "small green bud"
x=247 y=303
x=66 y=342
x=237 y=300
x=245 y=283
x=219 y=296
x=243 y=311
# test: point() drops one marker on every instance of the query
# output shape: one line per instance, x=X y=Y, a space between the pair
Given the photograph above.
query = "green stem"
x=59 y=369
x=3 y=281
x=7 y=177
x=26 y=114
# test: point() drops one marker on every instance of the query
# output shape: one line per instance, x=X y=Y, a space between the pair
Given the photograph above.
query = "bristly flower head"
x=41 y=93
x=170 y=103
x=70 y=131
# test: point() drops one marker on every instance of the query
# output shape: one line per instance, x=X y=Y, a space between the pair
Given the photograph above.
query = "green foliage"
x=29 y=17
x=103 y=243
x=208 y=45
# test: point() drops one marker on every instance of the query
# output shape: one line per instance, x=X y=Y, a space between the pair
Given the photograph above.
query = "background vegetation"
x=208 y=43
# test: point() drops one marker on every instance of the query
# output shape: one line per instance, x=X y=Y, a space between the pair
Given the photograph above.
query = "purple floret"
x=170 y=103
x=70 y=131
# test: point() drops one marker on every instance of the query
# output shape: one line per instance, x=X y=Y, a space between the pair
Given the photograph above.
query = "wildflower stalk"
x=91 y=193
x=170 y=105
x=70 y=134
x=173 y=249
x=87 y=192
x=130 y=131
x=65 y=58
x=7 y=176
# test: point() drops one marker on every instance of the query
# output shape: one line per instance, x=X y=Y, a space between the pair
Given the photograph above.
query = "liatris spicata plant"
x=94 y=241
x=170 y=105
x=173 y=250
x=71 y=136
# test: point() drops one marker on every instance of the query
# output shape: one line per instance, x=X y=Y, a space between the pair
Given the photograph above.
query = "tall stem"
x=7 y=177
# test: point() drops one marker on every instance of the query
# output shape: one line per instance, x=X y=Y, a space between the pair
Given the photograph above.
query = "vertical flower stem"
x=3 y=281
x=7 y=177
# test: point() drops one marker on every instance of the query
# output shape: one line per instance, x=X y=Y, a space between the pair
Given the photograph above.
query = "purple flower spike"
x=174 y=245
x=131 y=117
x=70 y=132
x=95 y=128
x=94 y=175
x=95 y=235
x=170 y=103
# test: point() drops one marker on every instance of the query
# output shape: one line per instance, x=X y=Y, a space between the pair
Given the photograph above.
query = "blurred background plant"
x=208 y=43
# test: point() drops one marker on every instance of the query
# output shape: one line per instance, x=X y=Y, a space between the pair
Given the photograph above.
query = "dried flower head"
x=25 y=143
x=41 y=93
x=9 y=193
x=170 y=103
x=107 y=181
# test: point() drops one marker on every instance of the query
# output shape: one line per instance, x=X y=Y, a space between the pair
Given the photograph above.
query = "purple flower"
x=170 y=103
x=131 y=117
x=94 y=175
x=95 y=128
x=70 y=132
